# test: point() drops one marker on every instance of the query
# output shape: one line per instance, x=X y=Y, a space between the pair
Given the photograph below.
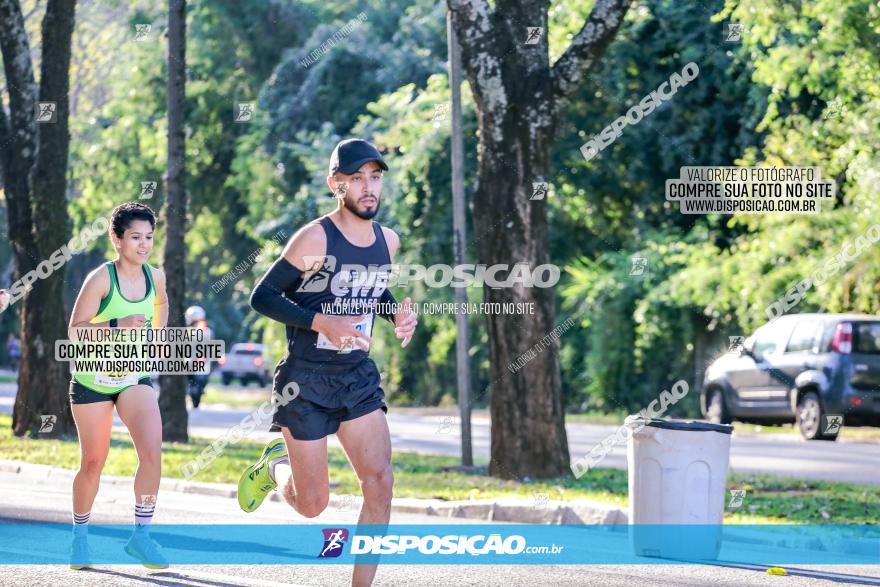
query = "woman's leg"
x=139 y=410
x=93 y=423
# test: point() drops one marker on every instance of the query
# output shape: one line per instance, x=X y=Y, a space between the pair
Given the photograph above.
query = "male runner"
x=329 y=316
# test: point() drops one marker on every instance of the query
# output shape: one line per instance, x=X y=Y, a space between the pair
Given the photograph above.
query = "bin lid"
x=687 y=426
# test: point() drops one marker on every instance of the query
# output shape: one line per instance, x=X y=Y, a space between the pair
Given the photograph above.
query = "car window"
x=802 y=336
x=255 y=353
x=823 y=340
x=770 y=339
x=867 y=340
x=763 y=343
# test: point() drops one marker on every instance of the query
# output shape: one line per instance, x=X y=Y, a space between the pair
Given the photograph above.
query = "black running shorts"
x=328 y=395
x=80 y=394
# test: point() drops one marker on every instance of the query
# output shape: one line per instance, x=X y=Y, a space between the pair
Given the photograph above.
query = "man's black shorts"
x=328 y=395
x=79 y=394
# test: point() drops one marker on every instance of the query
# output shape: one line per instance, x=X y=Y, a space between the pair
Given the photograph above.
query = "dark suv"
x=805 y=368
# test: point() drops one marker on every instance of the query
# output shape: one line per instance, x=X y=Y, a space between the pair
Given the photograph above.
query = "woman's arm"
x=95 y=288
x=160 y=310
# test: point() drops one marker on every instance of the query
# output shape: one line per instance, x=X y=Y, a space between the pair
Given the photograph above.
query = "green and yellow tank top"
x=117 y=306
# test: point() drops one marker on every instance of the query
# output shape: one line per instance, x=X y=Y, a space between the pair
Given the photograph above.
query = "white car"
x=245 y=361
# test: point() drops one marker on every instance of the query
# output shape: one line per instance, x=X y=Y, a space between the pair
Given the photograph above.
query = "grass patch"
x=772 y=499
x=617 y=418
x=768 y=499
x=612 y=418
x=848 y=432
x=235 y=396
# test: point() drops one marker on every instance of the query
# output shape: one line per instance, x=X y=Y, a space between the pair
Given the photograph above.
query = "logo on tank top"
x=319 y=269
x=350 y=281
x=358 y=281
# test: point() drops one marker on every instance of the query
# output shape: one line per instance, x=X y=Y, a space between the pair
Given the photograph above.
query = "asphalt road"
x=23 y=499
x=855 y=462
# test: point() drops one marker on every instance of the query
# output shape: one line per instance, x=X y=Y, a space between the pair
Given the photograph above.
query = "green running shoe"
x=255 y=483
x=79 y=553
x=145 y=549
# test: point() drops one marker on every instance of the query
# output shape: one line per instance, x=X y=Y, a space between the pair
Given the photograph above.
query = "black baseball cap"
x=349 y=155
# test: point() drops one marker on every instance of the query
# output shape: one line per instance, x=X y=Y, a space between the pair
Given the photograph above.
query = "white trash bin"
x=677 y=477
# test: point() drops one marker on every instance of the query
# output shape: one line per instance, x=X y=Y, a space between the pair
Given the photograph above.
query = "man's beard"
x=368 y=214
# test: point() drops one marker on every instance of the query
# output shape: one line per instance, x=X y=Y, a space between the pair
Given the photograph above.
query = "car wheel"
x=226 y=379
x=716 y=411
x=809 y=418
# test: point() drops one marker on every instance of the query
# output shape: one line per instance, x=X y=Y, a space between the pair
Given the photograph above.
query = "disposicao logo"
x=334 y=540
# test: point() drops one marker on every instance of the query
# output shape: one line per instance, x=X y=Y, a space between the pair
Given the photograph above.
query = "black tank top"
x=350 y=282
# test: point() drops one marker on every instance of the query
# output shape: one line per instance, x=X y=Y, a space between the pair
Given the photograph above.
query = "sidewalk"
x=495 y=510
x=39 y=486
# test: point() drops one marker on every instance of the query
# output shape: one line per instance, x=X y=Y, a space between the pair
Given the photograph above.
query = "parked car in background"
x=245 y=361
x=810 y=369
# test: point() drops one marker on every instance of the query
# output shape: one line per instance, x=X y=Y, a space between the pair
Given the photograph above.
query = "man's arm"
x=404 y=319
x=392 y=240
x=285 y=274
x=305 y=250
x=387 y=301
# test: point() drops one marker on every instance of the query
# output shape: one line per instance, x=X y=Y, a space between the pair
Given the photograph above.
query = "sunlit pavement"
x=31 y=500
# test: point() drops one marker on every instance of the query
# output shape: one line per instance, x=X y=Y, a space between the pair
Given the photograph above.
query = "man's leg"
x=367 y=443
x=304 y=480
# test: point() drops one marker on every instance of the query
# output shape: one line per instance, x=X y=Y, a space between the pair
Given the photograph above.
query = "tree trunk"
x=528 y=432
x=172 y=399
x=35 y=169
x=519 y=99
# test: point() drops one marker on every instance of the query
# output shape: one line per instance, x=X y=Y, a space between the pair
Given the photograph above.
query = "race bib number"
x=365 y=326
x=111 y=379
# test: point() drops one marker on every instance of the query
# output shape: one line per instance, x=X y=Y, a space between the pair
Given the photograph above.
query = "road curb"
x=497 y=510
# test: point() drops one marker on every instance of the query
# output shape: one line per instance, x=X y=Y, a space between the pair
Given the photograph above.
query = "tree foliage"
x=802 y=88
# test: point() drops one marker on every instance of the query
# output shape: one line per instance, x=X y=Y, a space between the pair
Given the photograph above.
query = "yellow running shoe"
x=79 y=553
x=256 y=483
x=145 y=549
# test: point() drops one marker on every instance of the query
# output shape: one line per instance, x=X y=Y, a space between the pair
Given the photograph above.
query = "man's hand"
x=405 y=323
x=133 y=321
x=340 y=330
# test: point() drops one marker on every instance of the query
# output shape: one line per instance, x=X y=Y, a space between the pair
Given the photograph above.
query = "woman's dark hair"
x=123 y=215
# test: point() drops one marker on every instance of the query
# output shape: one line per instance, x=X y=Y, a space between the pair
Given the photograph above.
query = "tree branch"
x=587 y=47
x=474 y=30
x=472 y=20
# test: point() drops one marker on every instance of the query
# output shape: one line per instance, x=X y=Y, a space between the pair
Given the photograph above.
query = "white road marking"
x=235 y=579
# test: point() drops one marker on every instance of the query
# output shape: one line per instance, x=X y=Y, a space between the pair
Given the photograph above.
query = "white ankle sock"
x=81 y=523
x=282 y=460
x=143 y=515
